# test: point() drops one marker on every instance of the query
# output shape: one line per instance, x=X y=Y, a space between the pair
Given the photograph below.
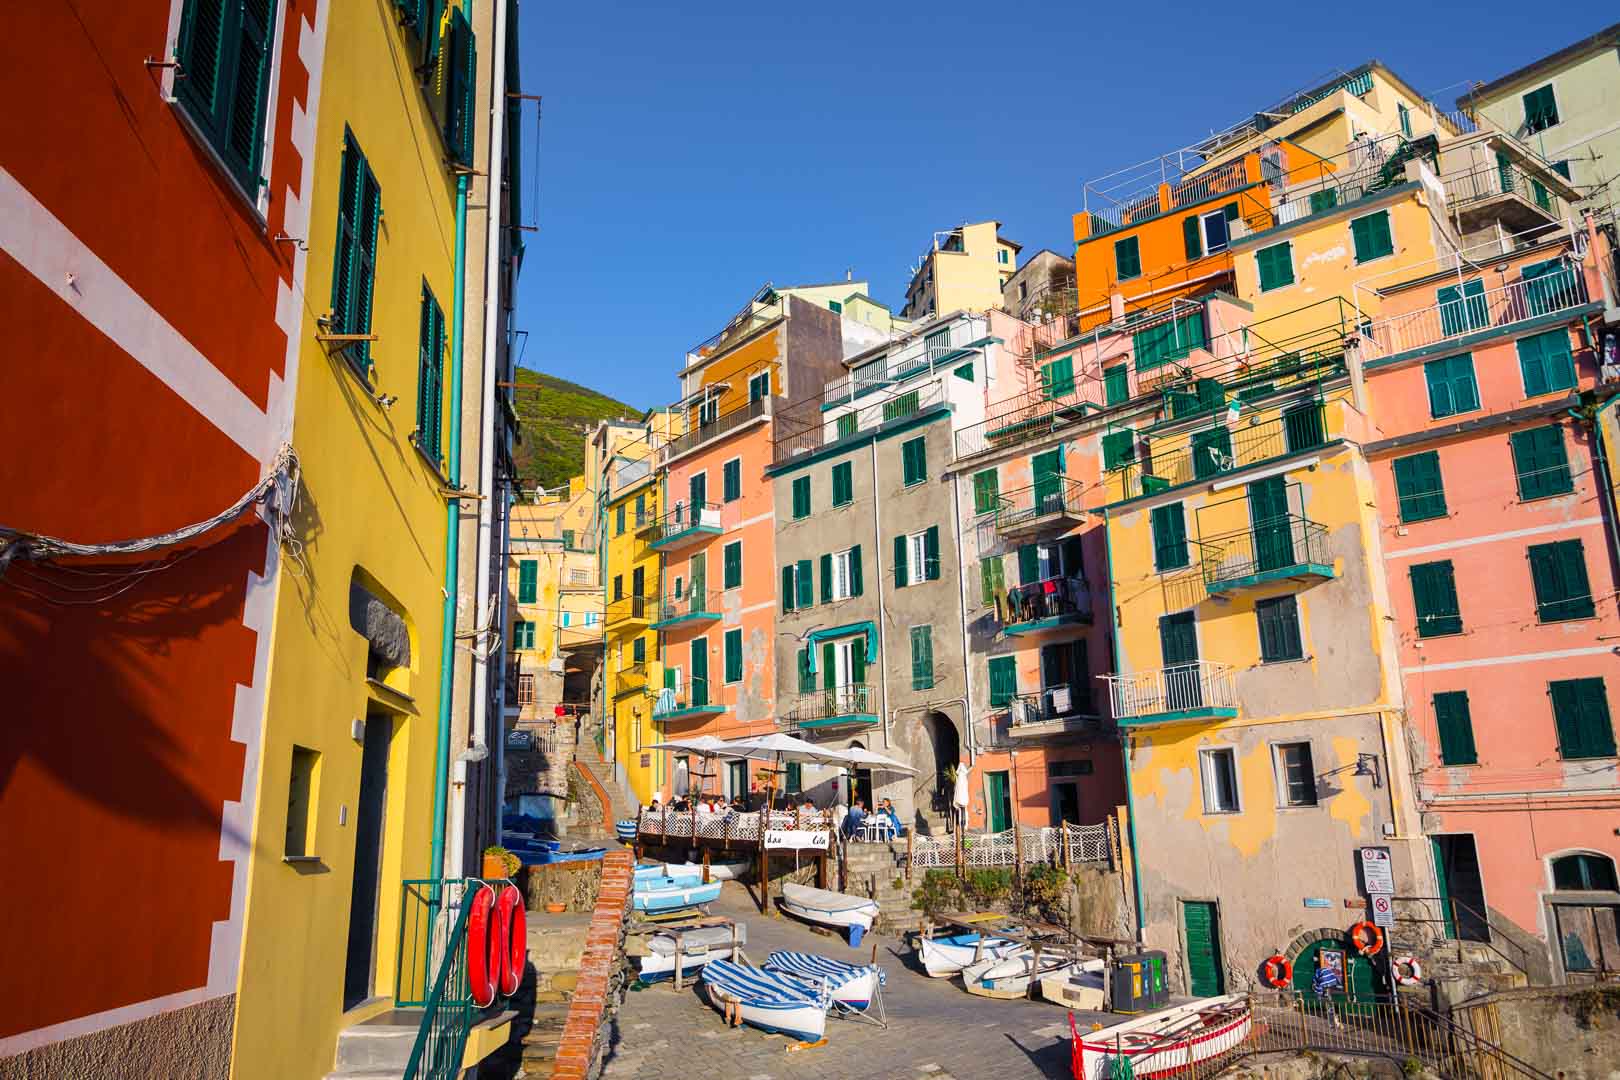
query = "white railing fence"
x=1176 y=688
x=1084 y=843
x=1470 y=313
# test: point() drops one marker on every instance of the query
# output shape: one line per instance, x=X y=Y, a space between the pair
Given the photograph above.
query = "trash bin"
x=1137 y=983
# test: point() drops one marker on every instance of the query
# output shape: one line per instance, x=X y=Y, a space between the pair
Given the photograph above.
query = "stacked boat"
x=841 y=911
x=696 y=948
x=662 y=888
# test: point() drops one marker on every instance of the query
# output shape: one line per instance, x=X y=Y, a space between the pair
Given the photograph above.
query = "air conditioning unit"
x=555 y=667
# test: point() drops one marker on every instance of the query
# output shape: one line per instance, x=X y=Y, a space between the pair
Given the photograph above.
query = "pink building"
x=1498 y=540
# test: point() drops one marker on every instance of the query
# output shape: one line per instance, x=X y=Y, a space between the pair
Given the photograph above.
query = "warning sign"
x=1383 y=912
x=1377 y=875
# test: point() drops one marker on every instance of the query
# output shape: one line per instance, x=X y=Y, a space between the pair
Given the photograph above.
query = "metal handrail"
x=1490 y=181
x=1174 y=688
x=1037 y=708
x=680 y=518
x=1484 y=920
x=447 y=1013
x=1284 y=540
x=1200 y=457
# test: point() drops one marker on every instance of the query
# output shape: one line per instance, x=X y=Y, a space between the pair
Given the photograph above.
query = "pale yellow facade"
x=965 y=269
x=554 y=597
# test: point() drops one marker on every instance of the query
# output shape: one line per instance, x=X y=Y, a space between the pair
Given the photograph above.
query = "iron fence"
x=1556 y=286
x=1271 y=544
x=1176 y=688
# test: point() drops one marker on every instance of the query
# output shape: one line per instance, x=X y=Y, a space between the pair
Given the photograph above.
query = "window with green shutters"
x=618 y=520
x=848 y=424
x=528 y=581
x=992 y=578
x=986 y=491
x=1279 y=629
x=523 y=634
x=223 y=80
x=1169 y=340
x=733 y=649
x=1057 y=378
x=1003 y=680
x=568 y=540
x=806 y=584
x=807 y=678
x=1326 y=199
x=1550 y=286
x=1116 y=385
x=922 y=657
x=1452 y=389
x=638 y=651
x=1456 y=728
x=731 y=565
x=904 y=405
x=801 y=498
x=731 y=480
x=1029 y=564
x=1192 y=235
x=1372 y=237
x=1127 y=258
x=843 y=484
x=793 y=772
x=354 y=271
x=1546 y=363
x=1419 y=492
x=1585 y=872
x=460 y=89
x=1540 y=462
x=914 y=460
x=1118 y=449
x=1540 y=109
x=430 y=376
x=1303 y=426
x=1558 y=572
x=1581 y=713
x=1169 y=537
x=1434 y=595
x=1462 y=308
x=1211 y=452
x=1276 y=266
x=1404 y=115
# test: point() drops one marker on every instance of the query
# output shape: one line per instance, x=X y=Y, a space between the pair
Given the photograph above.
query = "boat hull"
x=1153 y=1052
x=660 y=897
x=838 y=910
x=1009 y=977
x=655 y=966
x=804 y=1022
x=944 y=957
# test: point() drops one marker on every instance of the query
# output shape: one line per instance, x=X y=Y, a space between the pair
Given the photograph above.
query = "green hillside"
x=557 y=416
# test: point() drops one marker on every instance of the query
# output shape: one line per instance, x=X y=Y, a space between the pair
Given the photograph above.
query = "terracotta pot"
x=556 y=909
x=494 y=868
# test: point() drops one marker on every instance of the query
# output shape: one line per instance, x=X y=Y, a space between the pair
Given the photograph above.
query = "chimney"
x=1116 y=306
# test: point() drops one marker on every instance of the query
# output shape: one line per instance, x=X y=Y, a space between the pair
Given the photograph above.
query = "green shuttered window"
x=1372 y=237
x=992 y=578
x=1169 y=537
x=1116 y=385
x=1279 y=629
x=1540 y=109
x=1462 y=307
x=1003 y=680
x=806 y=584
x=1192 y=236
x=734 y=656
x=460 y=93
x=1211 y=452
x=922 y=657
x=904 y=405
x=1419 y=490
x=801 y=498
x=1276 y=265
x=1326 y=199
x=731 y=480
x=1456 y=728
x=1127 y=258
x=1434 y=593
x=986 y=491
x=1581 y=713
x=1452 y=389
x=528 y=581
x=1170 y=340
x=1540 y=462
x=914 y=460
x=224 y=79
x=807 y=678
x=1546 y=363
x=1558 y=572
x=430 y=377
x=731 y=565
x=848 y=424
x=1057 y=378
x=1119 y=449
x=843 y=484
x=355 y=267
x=638 y=651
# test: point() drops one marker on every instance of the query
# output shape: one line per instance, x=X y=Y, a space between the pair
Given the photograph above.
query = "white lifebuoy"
x=1407 y=970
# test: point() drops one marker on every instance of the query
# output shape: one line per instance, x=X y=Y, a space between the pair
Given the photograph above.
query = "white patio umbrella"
x=860 y=756
x=779 y=748
x=707 y=747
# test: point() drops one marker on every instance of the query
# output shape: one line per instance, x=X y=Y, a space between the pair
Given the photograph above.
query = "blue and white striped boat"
x=853 y=985
x=668 y=894
x=768 y=1001
x=626 y=829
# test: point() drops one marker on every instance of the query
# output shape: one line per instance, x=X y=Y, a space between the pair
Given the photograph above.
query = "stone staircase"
x=622 y=804
x=872 y=870
x=380 y=1048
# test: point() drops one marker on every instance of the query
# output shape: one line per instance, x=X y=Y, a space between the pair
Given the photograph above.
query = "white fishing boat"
x=944 y=956
x=1010 y=976
x=1079 y=988
x=767 y=1000
x=854 y=986
x=1164 y=1042
x=835 y=909
x=718 y=871
x=655 y=895
x=667 y=873
x=698 y=947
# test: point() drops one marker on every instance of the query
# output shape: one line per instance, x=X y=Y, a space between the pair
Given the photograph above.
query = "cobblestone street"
x=936 y=1029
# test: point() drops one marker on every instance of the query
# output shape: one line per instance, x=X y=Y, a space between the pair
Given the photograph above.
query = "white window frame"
x=843 y=580
x=1280 y=775
x=708 y=411
x=1207 y=779
x=843 y=662
x=1203 y=231
x=916 y=557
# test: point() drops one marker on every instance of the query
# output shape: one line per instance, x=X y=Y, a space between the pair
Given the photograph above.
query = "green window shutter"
x=857 y=662
x=806 y=583
x=1230 y=211
x=855 y=586
x=1434 y=594
x=224 y=55
x=1418 y=487
x=1558 y=572
x=1462 y=308
x=1540 y=462
x=1116 y=385
x=789 y=591
x=1326 y=199
x=731 y=565
x=793 y=781
x=1169 y=537
x=700 y=672
x=1211 y=452
x=826 y=579
x=638 y=651
x=801 y=498
x=1003 y=680
x=1119 y=448
x=1540 y=109
x=460 y=99
x=922 y=657
x=1562 y=168
x=1127 y=258
x=914 y=460
x=1452 y=389
x=900 y=562
x=1581 y=714
x=1303 y=426
x=1504 y=172
x=618 y=520
x=843 y=486
x=1372 y=236
x=1279 y=629
x=1456 y=728
x=1546 y=362
x=1057 y=378
x=904 y=405
x=430 y=376
x=990 y=586
x=568 y=541
x=1405 y=116
x=986 y=491
x=1276 y=264
x=829 y=672
x=835 y=306
x=528 y=581
x=807 y=678
x=734 y=657
x=731 y=481
x=1029 y=564
x=931 y=553
x=1192 y=235
x=847 y=425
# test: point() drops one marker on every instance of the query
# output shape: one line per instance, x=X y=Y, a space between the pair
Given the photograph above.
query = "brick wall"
x=601 y=974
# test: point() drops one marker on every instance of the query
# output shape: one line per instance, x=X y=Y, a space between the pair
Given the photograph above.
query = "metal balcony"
x=852 y=705
x=630 y=679
x=1285 y=548
x=1502 y=193
x=1057 y=710
x=1049 y=507
x=719 y=427
x=626 y=612
x=696 y=607
x=687 y=524
x=689 y=701
x=1200 y=690
x=1043 y=606
x=1560 y=289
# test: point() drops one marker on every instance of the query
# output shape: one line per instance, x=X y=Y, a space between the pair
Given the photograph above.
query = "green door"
x=1178 y=640
x=699 y=573
x=1048 y=472
x=1268 y=517
x=1000 y=801
x=1362 y=985
x=1202 y=926
x=700 y=672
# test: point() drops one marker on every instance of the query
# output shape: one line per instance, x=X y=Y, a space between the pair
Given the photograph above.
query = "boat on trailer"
x=944 y=955
x=662 y=894
x=838 y=910
x=698 y=947
x=1164 y=1042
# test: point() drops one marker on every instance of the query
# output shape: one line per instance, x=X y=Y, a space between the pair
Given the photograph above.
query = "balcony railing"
x=696 y=605
x=1206 y=453
x=1284 y=547
x=1055 y=503
x=631 y=608
x=690 y=699
x=806 y=428
x=832 y=707
x=630 y=679
x=1478 y=186
x=904 y=359
x=1045 y=605
x=721 y=425
x=1558 y=290
x=1031 y=714
x=631 y=472
x=685 y=521
x=1201 y=689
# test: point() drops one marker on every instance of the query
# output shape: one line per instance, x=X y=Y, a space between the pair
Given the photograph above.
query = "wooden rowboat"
x=1164 y=1042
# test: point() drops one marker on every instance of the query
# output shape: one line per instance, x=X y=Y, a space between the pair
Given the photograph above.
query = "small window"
x=306 y=766
x=1216 y=232
x=430 y=377
x=922 y=657
x=638 y=651
x=1003 y=680
x=731 y=480
x=842 y=571
x=568 y=540
x=523 y=634
x=1540 y=463
x=1296 y=775
x=1276 y=265
x=708 y=412
x=843 y=484
x=916 y=557
x=914 y=460
x=1002 y=256
x=759 y=386
x=1585 y=872
x=734 y=656
x=1219 y=770
x=1419 y=491
x=1404 y=115
x=1546 y=363
x=1116 y=385
x=986 y=491
x=847 y=425
x=224 y=51
x=1452 y=389
x=1372 y=237
x=731 y=565
x=1558 y=572
x=1434 y=595
x=801 y=498
x=1540 y=109
x=835 y=307
x=1279 y=630
x=354 y=271
x=618 y=586
x=1581 y=714
x=528 y=581
x=1127 y=259
x=1456 y=728
x=1169 y=537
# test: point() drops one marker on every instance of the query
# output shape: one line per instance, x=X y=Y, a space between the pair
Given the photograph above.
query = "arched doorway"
x=860 y=783
x=942 y=750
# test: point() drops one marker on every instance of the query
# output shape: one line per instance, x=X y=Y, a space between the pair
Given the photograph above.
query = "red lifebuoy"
x=514 y=941
x=481 y=974
x=1278 y=972
x=1367 y=937
x=1407 y=970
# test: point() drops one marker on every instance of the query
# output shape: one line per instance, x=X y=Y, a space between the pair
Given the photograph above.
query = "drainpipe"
x=961 y=611
x=1124 y=745
x=883 y=618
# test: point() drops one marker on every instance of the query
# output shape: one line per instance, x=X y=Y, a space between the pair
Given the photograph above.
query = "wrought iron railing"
x=714 y=429
x=693 y=693
x=1061 y=845
x=1219 y=448
x=683 y=517
x=832 y=703
x=525 y=690
x=1023 y=508
x=1489 y=182
x=1049 y=598
x=1277 y=542
x=910 y=356
x=1176 y=688
x=696 y=603
x=805 y=427
x=634 y=607
x=1558 y=289
x=1052 y=703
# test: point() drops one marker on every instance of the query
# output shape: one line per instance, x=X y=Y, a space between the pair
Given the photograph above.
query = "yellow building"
x=964 y=270
x=554 y=602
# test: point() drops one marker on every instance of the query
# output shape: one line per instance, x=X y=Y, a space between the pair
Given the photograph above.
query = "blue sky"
x=691 y=152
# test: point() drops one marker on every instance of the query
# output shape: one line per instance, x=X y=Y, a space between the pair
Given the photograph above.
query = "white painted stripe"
x=1491 y=538
x=46 y=248
x=1516 y=658
x=86 y=1025
x=1261 y=474
x=755 y=520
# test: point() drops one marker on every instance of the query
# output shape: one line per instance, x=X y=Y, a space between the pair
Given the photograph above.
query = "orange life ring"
x=1371 y=944
x=514 y=943
x=481 y=974
x=1278 y=972
x=1407 y=970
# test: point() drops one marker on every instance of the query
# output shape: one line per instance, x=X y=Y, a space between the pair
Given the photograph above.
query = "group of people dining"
x=847 y=821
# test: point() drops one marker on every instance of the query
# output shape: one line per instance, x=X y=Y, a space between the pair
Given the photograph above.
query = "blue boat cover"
x=808 y=965
x=762 y=989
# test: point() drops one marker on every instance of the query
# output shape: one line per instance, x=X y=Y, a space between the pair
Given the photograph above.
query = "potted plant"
x=500 y=863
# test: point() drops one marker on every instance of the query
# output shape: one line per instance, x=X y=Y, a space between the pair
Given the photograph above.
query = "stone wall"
x=602 y=975
x=1572 y=1032
x=576 y=884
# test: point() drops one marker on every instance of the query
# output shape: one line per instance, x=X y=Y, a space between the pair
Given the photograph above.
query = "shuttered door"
x=1268 y=514
x=1000 y=801
x=700 y=672
x=1178 y=638
x=1203 y=949
x=1048 y=488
